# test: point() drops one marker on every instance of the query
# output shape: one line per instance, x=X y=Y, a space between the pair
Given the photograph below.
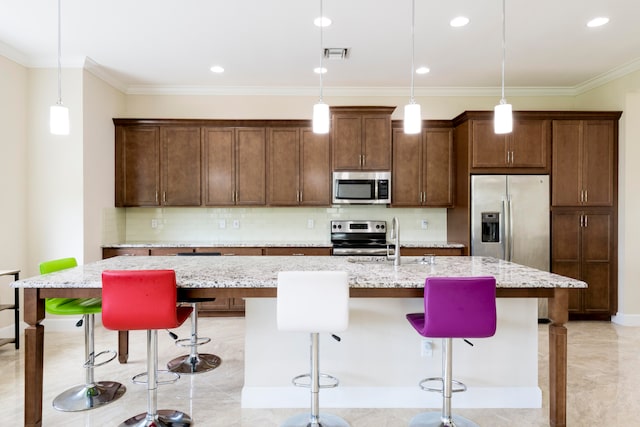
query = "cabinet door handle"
x=586 y=221
x=156 y=196
x=586 y=196
x=164 y=197
x=512 y=157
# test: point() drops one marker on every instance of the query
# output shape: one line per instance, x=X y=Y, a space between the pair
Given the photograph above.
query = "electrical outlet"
x=154 y=223
x=222 y=223
x=426 y=347
x=236 y=223
x=424 y=224
x=310 y=223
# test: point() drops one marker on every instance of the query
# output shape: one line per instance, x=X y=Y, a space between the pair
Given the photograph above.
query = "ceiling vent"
x=336 y=52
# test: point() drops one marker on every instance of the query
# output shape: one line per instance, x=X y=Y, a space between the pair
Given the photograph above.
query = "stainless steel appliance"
x=359 y=237
x=510 y=220
x=363 y=188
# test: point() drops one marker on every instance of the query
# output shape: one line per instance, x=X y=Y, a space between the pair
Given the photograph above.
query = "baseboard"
x=391 y=397
x=626 y=319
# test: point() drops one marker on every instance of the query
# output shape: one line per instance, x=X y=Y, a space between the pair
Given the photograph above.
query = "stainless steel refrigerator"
x=510 y=220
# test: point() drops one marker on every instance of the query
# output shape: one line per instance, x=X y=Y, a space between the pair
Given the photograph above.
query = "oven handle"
x=357 y=251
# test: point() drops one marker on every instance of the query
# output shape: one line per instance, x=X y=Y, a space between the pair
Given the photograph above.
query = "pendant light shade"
x=412 y=119
x=502 y=113
x=412 y=113
x=502 y=118
x=59 y=114
x=321 y=120
x=59 y=119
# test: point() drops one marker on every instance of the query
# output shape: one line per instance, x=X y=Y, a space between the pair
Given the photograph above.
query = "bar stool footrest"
x=461 y=386
x=174 y=376
x=186 y=342
x=332 y=381
x=88 y=363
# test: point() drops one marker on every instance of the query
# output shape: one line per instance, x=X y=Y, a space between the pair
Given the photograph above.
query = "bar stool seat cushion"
x=68 y=306
x=457 y=307
x=313 y=302
x=138 y=302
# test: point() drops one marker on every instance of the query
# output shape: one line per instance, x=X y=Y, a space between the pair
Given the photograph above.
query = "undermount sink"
x=384 y=261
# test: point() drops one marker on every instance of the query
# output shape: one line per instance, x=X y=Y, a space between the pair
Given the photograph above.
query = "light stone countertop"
x=261 y=271
x=263 y=244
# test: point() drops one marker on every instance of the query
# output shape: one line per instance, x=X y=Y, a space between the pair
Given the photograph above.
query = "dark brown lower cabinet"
x=583 y=247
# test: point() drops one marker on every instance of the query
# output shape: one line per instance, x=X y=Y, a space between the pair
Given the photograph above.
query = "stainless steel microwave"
x=365 y=188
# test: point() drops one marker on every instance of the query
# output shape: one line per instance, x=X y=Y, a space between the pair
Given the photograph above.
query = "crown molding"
x=100 y=72
x=607 y=77
x=13 y=54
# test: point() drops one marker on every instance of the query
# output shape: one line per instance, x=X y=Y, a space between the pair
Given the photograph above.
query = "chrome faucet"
x=395 y=236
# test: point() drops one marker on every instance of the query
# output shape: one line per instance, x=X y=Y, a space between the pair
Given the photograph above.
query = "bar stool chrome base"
x=164 y=418
x=188 y=364
x=88 y=396
x=323 y=420
x=434 y=419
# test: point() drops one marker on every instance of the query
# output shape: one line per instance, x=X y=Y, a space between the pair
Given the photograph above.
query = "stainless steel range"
x=359 y=237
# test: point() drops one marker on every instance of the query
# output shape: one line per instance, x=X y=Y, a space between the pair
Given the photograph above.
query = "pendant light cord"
x=59 y=55
x=321 y=47
x=413 y=22
x=504 y=43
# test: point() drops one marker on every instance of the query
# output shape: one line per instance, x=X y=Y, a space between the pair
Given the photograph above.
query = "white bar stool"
x=313 y=302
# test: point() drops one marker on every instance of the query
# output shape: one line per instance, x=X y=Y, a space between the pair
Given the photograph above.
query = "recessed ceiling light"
x=322 y=21
x=459 y=21
x=319 y=70
x=598 y=22
x=422 y=70
x=217 y=69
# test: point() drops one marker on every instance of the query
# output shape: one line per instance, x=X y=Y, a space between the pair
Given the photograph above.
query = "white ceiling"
x=149 y=45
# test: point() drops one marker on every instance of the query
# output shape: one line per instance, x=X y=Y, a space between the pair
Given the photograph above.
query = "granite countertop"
x=263 y=244
x=261 y=271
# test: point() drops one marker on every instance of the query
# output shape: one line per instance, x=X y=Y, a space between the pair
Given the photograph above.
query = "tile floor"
x=604 y=374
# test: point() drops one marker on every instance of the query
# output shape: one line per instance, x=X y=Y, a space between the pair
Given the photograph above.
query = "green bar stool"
x=91 y=394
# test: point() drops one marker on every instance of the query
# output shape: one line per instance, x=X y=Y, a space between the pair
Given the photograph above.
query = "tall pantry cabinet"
x=584 y=210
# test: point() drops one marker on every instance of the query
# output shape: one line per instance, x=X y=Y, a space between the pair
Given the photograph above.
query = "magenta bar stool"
x=454 y=307
x=313 y=302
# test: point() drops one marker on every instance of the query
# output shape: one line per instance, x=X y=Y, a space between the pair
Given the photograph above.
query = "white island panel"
x=379 y=361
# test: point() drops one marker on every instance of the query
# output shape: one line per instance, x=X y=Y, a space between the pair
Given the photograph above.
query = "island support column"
x=559 y=314
x=33 y=357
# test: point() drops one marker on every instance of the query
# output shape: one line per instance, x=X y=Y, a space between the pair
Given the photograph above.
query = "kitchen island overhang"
x=255 y=277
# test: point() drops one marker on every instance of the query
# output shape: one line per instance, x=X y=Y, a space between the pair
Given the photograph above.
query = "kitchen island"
x=256 y=277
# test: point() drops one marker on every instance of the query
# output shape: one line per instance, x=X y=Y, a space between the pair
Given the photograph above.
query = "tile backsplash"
x=273 y=224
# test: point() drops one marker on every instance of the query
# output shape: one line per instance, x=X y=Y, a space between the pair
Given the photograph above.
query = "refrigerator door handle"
x=510 y=229
x=504 y=224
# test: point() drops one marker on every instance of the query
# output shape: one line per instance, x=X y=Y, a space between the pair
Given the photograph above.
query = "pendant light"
x=59 y=114
x=412 y=114
x=502 y=113
x=320 y=109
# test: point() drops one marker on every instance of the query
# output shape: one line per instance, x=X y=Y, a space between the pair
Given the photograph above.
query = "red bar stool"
x=454 y=307
x=145 y=300
x=91 y=394
x=313 y=301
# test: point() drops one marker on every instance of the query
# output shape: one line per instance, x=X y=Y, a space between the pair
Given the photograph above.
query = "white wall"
x=13 y=178
x=101 y=102
x=54 y=165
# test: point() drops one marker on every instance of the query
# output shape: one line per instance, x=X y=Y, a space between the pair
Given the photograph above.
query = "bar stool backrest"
x=141 y=300
x=459 y=307
x=313 y=301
